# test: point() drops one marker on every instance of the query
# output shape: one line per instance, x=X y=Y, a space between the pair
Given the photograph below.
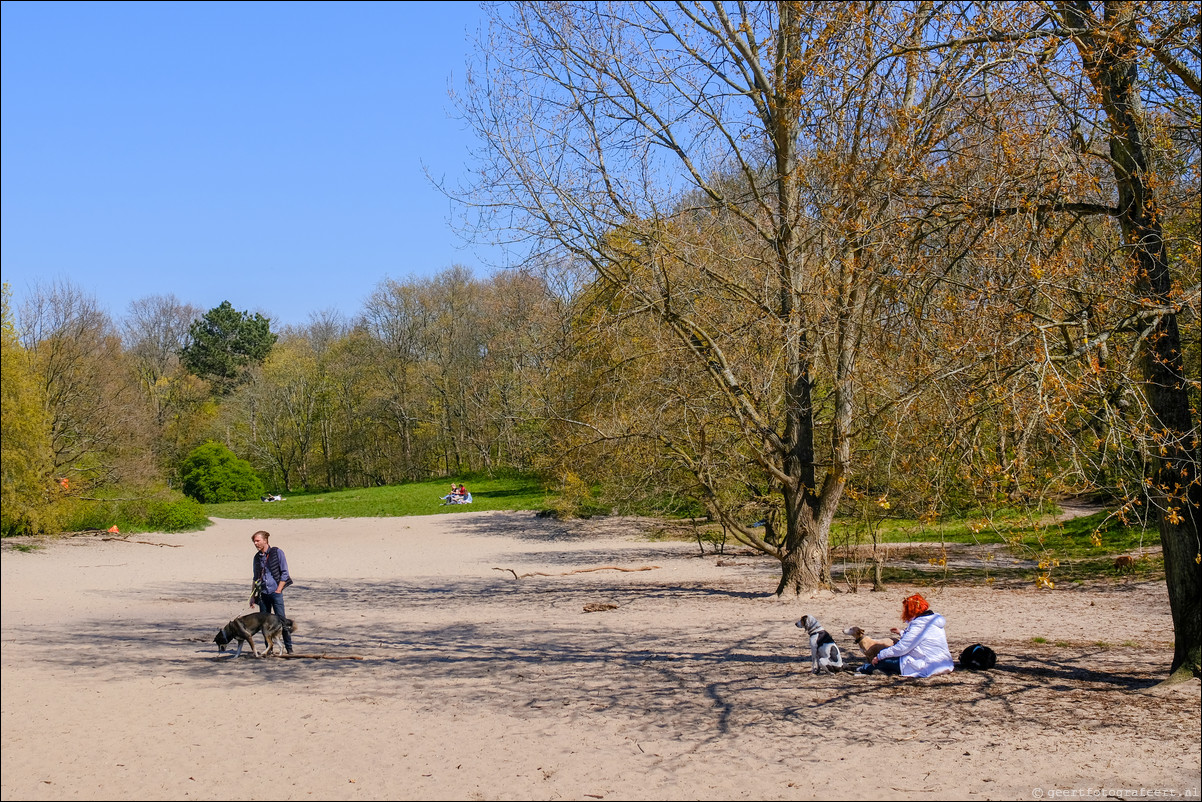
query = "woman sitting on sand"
x=922 y=650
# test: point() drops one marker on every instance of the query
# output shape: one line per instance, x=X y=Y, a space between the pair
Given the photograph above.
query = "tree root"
x=1182 y=675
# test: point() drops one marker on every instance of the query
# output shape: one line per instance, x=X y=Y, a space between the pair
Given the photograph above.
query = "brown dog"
x=868 y=645
x=1124 y=564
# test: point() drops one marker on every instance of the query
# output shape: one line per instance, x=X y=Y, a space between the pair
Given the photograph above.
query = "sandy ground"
x=476 y=685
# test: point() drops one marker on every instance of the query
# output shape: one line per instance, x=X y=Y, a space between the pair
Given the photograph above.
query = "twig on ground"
x=145 y=542
x=322 y=656
x=516 y=575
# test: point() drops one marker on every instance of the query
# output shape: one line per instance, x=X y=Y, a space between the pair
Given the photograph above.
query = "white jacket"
x=922 y=648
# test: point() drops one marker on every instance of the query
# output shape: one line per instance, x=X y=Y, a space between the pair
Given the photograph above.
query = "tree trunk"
x=804 y=560
x=803 y=566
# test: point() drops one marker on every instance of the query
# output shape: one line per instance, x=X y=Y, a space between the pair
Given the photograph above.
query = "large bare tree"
x=729 y=172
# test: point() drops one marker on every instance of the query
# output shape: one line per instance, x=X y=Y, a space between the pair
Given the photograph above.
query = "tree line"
x=433 y=377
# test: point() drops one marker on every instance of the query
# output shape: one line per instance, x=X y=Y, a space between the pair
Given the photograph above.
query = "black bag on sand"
x=978 y=658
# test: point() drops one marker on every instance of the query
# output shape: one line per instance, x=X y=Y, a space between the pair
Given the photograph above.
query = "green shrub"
x=212 y=474
x=91 y=515
x=159 y=510
x=571 y=497
x=180 y=515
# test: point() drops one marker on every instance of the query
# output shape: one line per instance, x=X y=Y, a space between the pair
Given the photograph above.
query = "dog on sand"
x=869 y=646
x=824 y=652
x=243 y=630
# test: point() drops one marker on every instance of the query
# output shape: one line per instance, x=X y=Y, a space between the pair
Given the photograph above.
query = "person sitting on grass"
x=458 y=495
x=922 y=650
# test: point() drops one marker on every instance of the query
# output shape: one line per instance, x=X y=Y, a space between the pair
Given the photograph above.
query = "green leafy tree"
x=24 y=437
x=212 y=474
x=284 y=402
x=225 y=343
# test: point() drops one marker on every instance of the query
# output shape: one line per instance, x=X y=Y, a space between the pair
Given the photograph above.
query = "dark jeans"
x=274 y=603
x=890 y=665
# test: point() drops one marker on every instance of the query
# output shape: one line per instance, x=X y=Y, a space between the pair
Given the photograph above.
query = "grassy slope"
x=416 y=498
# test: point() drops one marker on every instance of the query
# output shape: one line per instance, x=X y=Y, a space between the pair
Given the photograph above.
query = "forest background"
x=785 y=262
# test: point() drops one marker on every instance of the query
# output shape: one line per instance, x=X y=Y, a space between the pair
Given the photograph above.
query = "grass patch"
x=24 y=548
x=986 y=528
x=1076 y=572
x=1022 y=534
x=923 y=577
x=1090 y=536
x=413 y=498
x=1150 y=566
x=1039 y=640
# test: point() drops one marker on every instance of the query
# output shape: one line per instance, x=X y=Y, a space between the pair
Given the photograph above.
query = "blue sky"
x=269 y=154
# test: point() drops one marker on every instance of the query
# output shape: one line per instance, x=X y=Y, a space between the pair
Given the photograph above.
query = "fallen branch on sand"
x=146 y=542
x=516 y=575
x=322 y=656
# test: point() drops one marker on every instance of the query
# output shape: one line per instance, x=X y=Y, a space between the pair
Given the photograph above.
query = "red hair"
x=913 y=607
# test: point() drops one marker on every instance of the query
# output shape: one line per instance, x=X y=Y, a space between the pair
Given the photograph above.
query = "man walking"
x=270 y=578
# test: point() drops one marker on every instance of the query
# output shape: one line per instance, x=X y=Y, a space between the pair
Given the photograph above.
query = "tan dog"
x=867 y=645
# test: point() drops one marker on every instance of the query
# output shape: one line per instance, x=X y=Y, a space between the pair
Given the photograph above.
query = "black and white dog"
x=824 y=652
